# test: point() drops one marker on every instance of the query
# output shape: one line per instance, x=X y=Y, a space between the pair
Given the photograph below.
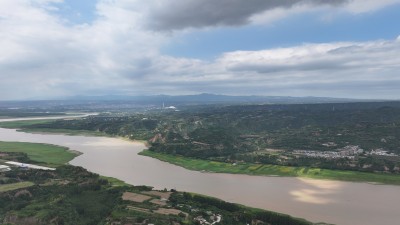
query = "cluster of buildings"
x=173 y=108
x=381 y=152
x=4 y=168
x=347 y=152
x=351 y=150
x=214 y=219
x=318 y=154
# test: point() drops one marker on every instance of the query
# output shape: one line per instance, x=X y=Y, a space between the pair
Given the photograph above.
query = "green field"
x=273 y=170
x=115 y=182
x=45 y=154
x=15 y=186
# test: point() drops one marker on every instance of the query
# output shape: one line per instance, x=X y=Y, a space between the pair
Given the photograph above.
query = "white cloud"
x=356 y=68
x=364 y=69
x=41 y=56
x=363 y=6
x=38 y=48
x=270 y=16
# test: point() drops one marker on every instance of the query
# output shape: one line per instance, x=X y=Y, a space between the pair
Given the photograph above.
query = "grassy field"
x=45 y=154
x=115 y=182
x=14 y=186
x=274 y=170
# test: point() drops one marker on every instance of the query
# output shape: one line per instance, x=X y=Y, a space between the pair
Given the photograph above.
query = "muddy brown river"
x=343 y=203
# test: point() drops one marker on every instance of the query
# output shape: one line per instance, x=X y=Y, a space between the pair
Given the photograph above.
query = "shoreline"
x=208 y=166
x=325 y=190
x=251 y=169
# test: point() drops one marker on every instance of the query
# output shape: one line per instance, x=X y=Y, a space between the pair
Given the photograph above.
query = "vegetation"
x=267 y=135
x=44 y=154
x=25 y=126
x=273 y=170
x=66 y=196
x=115 y=182
x=21 y=123
x=231 y=213
x=73 y=196
x=15 y=186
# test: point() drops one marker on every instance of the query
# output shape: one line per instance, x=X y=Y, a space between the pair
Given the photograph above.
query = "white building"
x=30 y=166
x=4 y=168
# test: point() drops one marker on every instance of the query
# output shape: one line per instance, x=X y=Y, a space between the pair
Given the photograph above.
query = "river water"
x=344 y=203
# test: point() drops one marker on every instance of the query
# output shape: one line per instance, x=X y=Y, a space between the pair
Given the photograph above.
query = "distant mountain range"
x=129 y=102
x=214 y=98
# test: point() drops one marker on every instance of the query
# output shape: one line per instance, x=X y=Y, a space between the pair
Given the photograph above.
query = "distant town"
x=348 y=152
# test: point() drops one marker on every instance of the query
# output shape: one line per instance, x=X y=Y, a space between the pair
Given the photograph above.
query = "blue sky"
x=290 y=31
x=76 y=11
x=338 y=48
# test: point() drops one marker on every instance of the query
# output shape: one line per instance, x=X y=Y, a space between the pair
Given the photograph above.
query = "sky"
x=54 y=49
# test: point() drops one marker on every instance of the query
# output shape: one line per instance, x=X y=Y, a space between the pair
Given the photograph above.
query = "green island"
x=67 y=196
x=41 y=154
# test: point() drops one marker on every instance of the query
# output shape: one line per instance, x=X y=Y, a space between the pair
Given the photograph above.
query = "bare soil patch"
x=134 y=197
x=158 y=202
x=165 y=211
x=160 y=194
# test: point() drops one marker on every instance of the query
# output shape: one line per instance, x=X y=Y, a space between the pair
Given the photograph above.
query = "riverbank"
x=220 y=167
x=315 y=200
x=23 y=125
x=68 y=193
x=273 y=170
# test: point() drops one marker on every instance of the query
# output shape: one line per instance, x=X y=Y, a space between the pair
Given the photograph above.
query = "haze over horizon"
x=59 y=48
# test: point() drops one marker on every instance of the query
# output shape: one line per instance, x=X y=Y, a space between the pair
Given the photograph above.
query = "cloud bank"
x=175 y=14
x=169 y=15
x=363 y=69
x=42 y=56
